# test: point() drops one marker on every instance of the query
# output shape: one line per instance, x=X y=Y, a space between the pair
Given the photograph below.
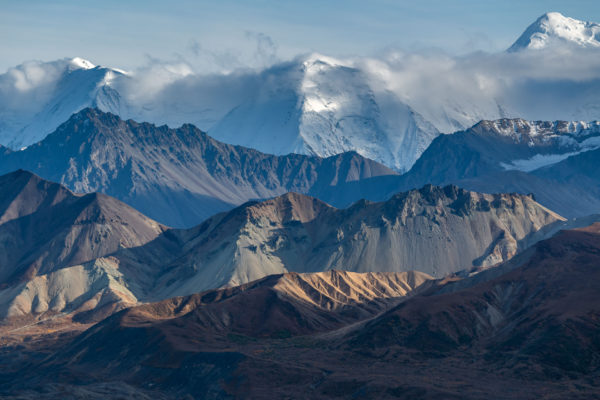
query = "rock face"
x=180 y=176
x=434 y=230
x=553 y=160
x=527 y=329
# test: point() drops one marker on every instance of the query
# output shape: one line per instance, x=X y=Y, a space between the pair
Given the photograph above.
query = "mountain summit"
x=554 y=28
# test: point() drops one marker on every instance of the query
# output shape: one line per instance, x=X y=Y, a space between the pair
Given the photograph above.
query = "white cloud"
x=450 y=92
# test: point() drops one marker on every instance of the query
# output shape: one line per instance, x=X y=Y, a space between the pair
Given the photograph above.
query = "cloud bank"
x=560 y=82
x=452 y=92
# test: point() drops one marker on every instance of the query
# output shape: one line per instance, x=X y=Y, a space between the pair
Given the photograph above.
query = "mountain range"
x=527 y=328
x=388 y=110
x=86 y=256
x=556 y=161
x=180 y=176
x=405 y=226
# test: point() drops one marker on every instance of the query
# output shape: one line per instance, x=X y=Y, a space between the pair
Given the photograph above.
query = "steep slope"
x=433 y=230
x=517 y=156
x=553 y=29
x=36 y=99
x=50 y=240
x=179 y=176
x=290 y=304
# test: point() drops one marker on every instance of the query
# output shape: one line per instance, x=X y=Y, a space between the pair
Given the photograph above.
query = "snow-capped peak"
x=552 y=28
x=81 y=63
x=521 y=129
x=316 y=61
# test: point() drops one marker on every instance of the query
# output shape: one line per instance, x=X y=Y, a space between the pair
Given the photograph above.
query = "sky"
x=226 y=34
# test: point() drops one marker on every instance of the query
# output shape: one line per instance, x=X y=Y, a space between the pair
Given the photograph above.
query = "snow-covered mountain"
x=323 y=106
x=548 y=142
x=35 y=98
x=388 y=109
x=314 y=105
x=553 y=28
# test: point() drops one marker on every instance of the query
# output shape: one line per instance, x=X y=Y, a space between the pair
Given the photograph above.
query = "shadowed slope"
x=51 y=240
x=514 y=155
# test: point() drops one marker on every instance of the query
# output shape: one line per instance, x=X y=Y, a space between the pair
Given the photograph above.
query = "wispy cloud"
x=265 y=52
x=449 y=91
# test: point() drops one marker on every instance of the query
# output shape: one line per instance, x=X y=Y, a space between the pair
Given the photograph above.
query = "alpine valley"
x=407 y=226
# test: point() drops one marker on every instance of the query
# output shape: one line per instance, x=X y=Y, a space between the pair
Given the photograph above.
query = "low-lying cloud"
x=449 y=91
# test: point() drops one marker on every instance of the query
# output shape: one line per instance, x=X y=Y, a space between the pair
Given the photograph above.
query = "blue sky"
x=225 y=34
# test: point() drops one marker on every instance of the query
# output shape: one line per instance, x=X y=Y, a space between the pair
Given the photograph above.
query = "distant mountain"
x=528 y=332
x=553 y=29
x=316 y=106
x=181 y=176
x=387 y=109
x=553 y=160
x=322 y=106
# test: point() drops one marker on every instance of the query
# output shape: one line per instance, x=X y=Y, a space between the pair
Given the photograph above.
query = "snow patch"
x=543 y=160
x=82 y=63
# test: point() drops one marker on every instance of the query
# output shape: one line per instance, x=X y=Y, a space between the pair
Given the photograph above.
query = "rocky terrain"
x=51 y=246
x=408 y=225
